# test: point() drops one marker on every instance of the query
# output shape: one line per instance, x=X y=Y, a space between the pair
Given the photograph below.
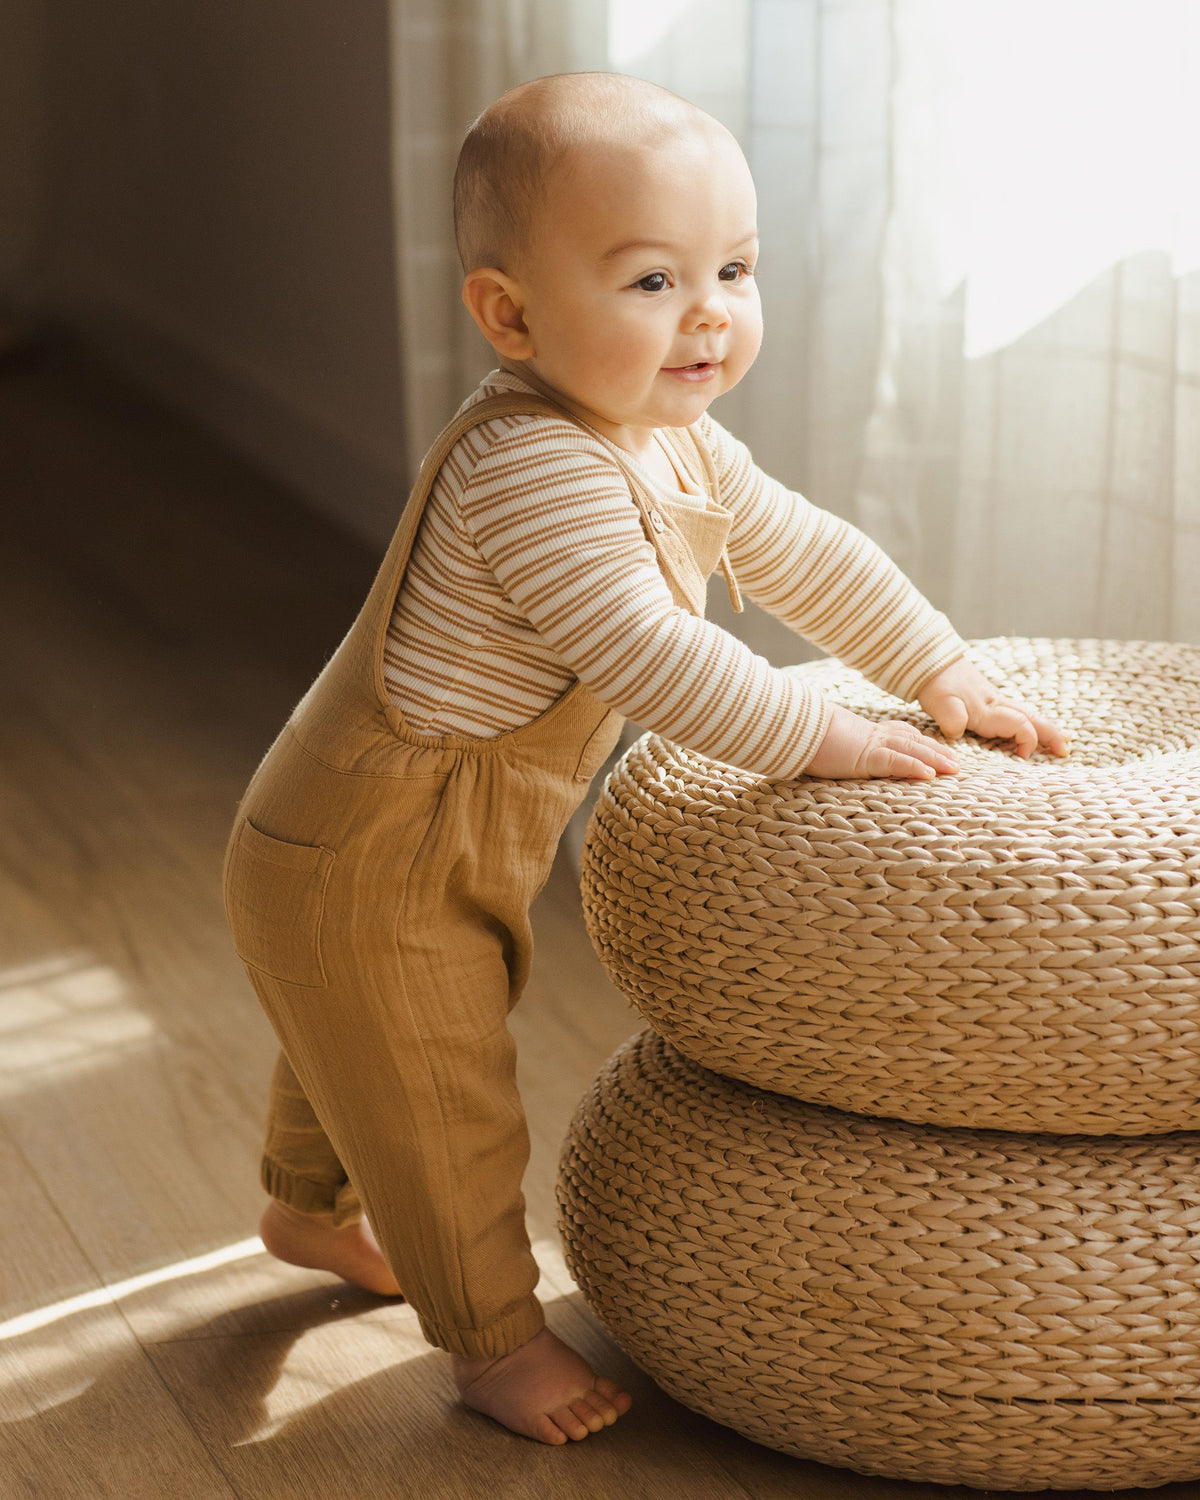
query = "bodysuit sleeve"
x=553 y=518
x=825 y=579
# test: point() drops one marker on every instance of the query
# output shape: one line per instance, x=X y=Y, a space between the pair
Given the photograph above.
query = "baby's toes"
x=570 y=1422
x=620 y=1400
x=604 y=1406
x=590 y=1409
x=546 y=1430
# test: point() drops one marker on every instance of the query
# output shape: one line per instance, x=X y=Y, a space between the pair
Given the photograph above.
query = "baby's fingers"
x=951 y=713
x=1024 y=735
x=897 y=765
x=902 y=751
x=1008 y=721
x=1005 y=721
x=1056 y=740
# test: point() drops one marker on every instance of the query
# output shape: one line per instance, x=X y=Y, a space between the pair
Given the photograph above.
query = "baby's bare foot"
x=303 y=1240
x=543 y=1390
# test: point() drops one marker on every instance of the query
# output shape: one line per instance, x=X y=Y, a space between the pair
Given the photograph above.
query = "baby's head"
x=607 y=229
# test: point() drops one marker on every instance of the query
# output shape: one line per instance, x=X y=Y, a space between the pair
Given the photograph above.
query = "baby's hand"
x=854 y=746
x=960 y=698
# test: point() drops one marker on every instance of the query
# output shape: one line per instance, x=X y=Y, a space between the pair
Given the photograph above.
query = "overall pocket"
x=599 y=745
x=275 y=900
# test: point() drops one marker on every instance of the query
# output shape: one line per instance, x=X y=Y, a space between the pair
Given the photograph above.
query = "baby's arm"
x=553 y=518
x=833 y=585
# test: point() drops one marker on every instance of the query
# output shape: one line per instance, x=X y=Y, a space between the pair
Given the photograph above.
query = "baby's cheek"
x=631 y=361
x=751 y=321
x=747 y=344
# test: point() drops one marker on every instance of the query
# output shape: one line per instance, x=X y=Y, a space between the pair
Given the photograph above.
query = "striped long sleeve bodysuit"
x=531 y=568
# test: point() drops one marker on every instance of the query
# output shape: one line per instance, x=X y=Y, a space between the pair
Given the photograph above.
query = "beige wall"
x=217 y=205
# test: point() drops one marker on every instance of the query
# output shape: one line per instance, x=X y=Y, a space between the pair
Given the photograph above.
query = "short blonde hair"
x=513 y=148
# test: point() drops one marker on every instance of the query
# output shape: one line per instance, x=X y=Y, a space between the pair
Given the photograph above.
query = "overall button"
x=657 y=521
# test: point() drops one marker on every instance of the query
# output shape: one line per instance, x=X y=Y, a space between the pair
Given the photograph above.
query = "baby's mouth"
x=701 y=368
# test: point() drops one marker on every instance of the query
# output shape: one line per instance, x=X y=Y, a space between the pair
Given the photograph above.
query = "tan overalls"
x=378 y=884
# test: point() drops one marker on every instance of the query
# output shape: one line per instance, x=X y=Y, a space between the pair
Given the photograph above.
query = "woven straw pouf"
x=993 y=1309
x=1017 y=947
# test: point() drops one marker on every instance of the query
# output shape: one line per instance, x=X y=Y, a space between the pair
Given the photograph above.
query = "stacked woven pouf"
x=906 y=1176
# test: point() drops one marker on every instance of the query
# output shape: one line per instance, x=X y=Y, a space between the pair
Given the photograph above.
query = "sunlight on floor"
x=41 y=1317
x=40 y=1371
x=62 y=1014
x=315 y=1368
x=312 y=1369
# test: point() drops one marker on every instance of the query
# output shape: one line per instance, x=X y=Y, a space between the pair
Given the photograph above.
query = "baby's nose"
x=711 y=311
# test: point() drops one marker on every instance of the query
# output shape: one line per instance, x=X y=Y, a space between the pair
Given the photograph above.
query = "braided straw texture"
x=993 y=1309
x=1015 y=947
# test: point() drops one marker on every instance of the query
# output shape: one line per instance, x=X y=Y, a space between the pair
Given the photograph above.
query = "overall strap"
x=504 y=404
x=695 y=444
x=377 y=611
x=487 y=410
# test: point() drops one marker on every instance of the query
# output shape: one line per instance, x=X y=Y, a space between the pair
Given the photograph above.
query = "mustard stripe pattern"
x=531 y=569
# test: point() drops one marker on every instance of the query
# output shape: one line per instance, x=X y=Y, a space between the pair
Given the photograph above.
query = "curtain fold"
x=450 y=59
x=1032 y=447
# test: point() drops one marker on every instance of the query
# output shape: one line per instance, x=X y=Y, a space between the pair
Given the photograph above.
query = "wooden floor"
x=163 y=606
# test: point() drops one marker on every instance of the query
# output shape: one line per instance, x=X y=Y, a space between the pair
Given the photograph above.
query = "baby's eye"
x=655 y=282
x=734 y=271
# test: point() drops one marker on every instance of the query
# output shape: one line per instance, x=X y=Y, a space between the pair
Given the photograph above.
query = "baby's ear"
x=494 y=300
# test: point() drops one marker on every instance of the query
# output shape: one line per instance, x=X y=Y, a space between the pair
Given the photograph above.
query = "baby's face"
x=638 y=290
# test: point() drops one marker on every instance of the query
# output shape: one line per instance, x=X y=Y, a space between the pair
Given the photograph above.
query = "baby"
x=547 y=578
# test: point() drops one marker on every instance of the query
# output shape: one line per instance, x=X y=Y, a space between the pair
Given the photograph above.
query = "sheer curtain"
x=1033 y=448
x=980 y=272
x=450 y=59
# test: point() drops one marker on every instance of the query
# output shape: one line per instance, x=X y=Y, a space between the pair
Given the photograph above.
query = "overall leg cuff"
x=516 y=1327
x=336 y=1201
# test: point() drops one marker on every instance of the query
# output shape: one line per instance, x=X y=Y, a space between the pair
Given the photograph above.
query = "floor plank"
x=90 y=1417
x=126 y=1024
x=346 y=1409
x=70 y=1382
